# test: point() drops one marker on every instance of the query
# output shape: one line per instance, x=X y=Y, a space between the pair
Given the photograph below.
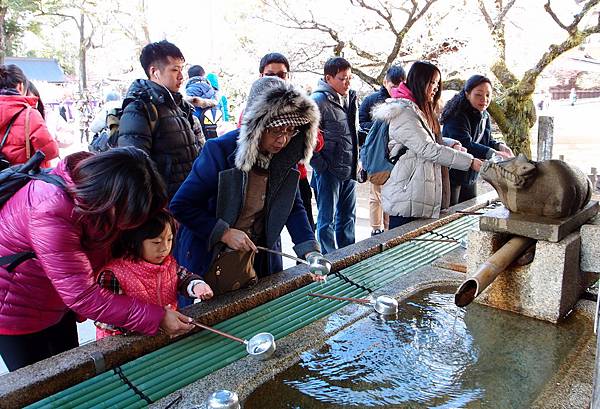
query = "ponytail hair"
x=11 y=76
x=460 y=101
x=30 y=90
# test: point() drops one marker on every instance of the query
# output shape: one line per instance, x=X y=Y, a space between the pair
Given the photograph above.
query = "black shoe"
x=376 y=232
x=362 y=176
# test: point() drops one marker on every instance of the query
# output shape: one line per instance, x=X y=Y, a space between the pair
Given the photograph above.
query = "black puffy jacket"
x=340 y=151
x=173 y=144
x=465 y=126
x=365 y=114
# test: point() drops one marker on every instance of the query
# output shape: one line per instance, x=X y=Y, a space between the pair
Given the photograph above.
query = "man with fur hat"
x=242 y=189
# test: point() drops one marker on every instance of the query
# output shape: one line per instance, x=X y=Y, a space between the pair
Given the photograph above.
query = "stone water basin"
x=434 y=355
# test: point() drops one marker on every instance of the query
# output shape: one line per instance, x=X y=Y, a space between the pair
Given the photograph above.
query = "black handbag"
x=231 y=270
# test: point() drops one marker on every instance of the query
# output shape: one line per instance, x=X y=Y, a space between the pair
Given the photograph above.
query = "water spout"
x=489 y=270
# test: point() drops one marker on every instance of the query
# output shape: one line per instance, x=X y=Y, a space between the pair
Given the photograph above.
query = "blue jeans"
x=336 y=204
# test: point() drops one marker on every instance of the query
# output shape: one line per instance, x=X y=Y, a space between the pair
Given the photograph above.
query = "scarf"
x=263 y=160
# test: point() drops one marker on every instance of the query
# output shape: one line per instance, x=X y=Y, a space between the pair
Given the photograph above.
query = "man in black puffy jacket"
x=157 y=119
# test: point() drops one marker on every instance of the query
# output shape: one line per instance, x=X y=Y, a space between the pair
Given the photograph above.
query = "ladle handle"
x=216 y=331
x=333 y=297
x=436 y=240
x=299 y=260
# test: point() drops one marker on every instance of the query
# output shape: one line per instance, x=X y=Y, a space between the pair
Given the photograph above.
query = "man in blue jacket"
x=335 y=166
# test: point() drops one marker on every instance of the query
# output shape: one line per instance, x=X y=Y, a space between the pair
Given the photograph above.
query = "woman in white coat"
x=419 y=185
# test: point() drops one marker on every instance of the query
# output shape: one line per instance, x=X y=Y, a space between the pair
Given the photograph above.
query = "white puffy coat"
x=414 y=188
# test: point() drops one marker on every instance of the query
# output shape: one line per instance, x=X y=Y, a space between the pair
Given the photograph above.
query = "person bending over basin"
x=242 y=191
x=71 y=231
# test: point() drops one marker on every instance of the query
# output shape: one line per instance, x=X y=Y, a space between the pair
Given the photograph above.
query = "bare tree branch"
x=555 y=51
x=387 y=16
x=497 y=23
x=385 y=20
x=503 y=12
x=586 y=8
x=486 y=15
x=549 y=10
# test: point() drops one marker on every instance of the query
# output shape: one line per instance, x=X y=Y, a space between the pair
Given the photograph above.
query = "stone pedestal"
x=546 y=289
x=502 y=220
x=590 y=246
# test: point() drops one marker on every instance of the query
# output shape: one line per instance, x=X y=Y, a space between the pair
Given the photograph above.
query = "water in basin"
x=434 y=355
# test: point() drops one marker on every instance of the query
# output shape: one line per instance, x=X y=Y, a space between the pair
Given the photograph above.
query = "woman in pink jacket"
x=28 y=132
x=71 y=231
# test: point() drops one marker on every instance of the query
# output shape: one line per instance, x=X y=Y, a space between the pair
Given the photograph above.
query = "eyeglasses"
x=281 y=74
x=278 y=132
x=347 y=78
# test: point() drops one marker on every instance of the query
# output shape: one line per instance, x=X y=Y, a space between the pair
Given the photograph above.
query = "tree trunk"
x=3 y=10
x=515 y=115
x=82 y=55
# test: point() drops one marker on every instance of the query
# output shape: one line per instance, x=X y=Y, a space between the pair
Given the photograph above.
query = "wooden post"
x=596 y=391
x=545 y=137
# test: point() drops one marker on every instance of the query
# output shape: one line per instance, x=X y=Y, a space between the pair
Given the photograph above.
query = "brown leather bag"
x=231 y=270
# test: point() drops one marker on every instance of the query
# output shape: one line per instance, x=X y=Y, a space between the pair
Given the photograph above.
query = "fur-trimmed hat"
x=273 y=102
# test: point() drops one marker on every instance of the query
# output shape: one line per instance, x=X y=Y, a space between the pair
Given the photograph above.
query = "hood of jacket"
x=402 y=91
x=158 y=94
x=213 y=80
x=394 y=107
x=323 y=86
x=274 y=102
x=200 y=87
x=11 y=104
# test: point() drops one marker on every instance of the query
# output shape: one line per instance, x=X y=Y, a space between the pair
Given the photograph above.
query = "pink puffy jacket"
x=38 y=292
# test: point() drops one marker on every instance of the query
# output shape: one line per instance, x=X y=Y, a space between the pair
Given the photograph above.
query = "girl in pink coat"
x=145 y=269
x=71 y=232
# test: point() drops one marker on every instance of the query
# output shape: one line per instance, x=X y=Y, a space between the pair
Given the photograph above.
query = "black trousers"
x=306 y=195
x=21 y=350
x=396 y=221
x=462 y=193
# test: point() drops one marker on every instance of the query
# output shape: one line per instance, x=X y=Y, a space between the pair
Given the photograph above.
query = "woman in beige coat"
x=419 y=186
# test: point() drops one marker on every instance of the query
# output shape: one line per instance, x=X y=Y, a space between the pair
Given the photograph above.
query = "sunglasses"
x=281 y=74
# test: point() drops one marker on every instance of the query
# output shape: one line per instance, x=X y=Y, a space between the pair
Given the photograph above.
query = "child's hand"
x=203 y=291
x=318 y=277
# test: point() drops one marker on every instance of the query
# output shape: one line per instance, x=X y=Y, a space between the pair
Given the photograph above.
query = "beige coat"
x=414 y=188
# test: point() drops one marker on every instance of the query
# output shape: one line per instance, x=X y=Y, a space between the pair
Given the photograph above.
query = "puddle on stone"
x=432 y=356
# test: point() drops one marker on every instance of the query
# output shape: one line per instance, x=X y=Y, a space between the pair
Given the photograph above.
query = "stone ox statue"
x=551 y=188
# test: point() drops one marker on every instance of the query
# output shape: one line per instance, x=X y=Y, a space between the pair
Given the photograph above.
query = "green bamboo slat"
x=174 y=366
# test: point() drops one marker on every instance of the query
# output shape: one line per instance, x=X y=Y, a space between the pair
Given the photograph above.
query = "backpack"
x=108 y=137
x=375 y=155
x=14 y=178
x=207 y=121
